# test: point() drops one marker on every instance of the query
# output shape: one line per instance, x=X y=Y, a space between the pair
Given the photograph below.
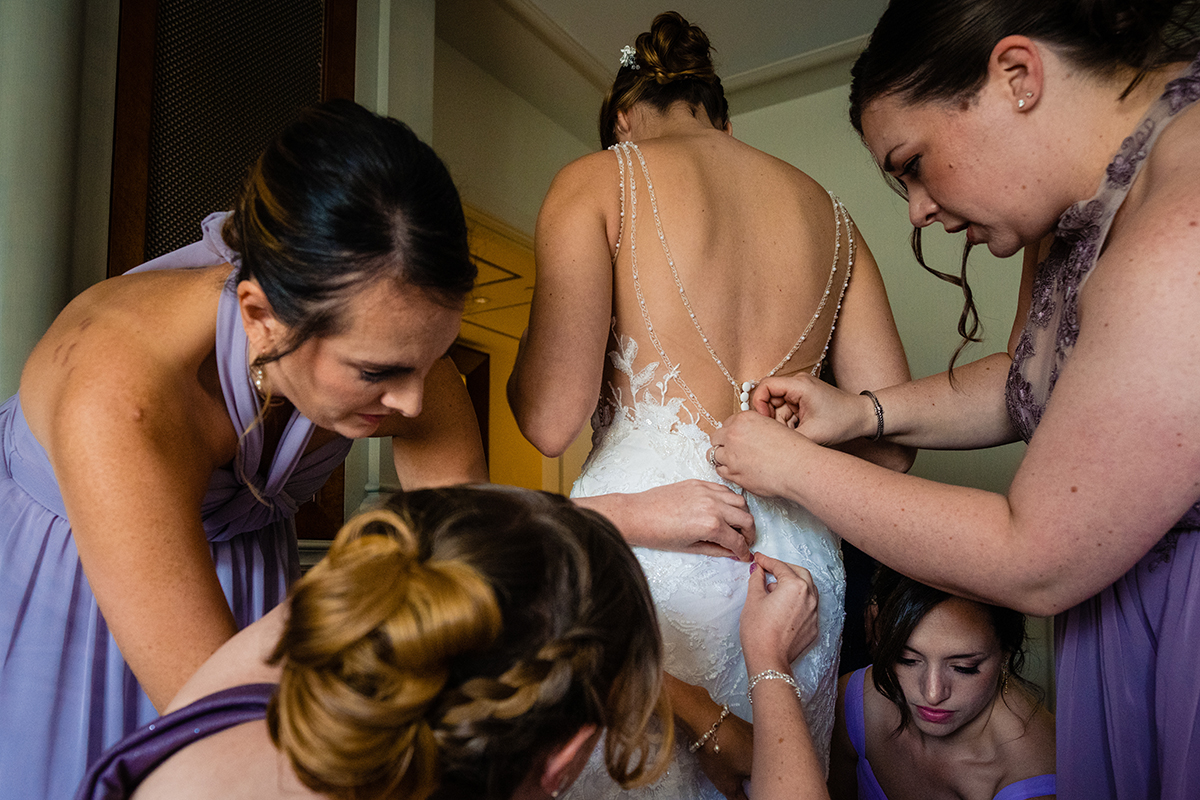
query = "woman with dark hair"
x=469 y=642
x=170 y=422
x=1069 y=129
x=946 y=712
x=731 y=265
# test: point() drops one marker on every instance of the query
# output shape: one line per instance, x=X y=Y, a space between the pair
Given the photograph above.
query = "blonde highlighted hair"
x=455 y=637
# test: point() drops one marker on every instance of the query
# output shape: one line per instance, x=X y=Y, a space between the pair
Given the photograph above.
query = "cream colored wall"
x=503 y=154
x=57 y=64
x=501 y=151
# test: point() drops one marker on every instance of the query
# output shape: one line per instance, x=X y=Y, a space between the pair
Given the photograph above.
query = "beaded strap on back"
x=841 y=219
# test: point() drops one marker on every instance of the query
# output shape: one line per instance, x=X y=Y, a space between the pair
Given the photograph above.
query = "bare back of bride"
x=676 y=270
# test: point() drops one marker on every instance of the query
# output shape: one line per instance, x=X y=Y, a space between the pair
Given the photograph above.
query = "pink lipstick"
x=935 y=715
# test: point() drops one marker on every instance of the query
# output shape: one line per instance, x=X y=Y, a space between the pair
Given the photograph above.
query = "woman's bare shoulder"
x=241 y=660
x=238 y=763
x=137 y=341
x=1025 y=735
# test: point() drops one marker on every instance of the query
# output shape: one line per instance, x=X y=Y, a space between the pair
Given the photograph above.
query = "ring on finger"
x=712 y=456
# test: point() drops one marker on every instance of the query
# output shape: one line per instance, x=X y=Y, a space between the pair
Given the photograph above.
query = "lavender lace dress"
x=65 y=692
x=1128 y=689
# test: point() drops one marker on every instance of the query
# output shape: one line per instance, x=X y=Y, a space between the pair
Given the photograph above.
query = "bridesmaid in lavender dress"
x=170 y=422
x=1069 y=129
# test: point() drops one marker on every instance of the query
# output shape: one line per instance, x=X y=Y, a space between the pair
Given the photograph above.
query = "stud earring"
x=1021 y=103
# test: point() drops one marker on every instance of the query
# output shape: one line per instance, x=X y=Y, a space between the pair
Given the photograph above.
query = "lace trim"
x=841 y=218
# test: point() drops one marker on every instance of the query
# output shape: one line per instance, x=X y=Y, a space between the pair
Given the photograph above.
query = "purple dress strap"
x=66 y=693
x=854 y=712
x=1128 y=711
x=1037 y=786
x=124 y=766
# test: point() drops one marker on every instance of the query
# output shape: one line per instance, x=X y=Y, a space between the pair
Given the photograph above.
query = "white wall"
x=501 y=151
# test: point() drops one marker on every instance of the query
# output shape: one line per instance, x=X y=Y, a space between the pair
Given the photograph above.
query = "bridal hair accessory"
x=629 y=58
x=878 y=414
x=711 y=455
x=711 y=733
x=770 y=675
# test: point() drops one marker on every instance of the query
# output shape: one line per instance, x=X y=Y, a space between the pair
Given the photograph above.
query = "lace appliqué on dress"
x=644 y=438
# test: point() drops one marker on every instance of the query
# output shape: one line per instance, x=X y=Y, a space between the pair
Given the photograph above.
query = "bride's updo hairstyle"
x=673 y=63
x=937 y=51
x=452 y=639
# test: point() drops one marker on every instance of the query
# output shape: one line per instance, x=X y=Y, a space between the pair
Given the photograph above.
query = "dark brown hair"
x=899 y=604
x=673 y=64
x=340 y=199
x=454 y=638
x=938 y=51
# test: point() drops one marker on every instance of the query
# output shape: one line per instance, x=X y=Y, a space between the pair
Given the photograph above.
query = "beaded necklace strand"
x=741 y=390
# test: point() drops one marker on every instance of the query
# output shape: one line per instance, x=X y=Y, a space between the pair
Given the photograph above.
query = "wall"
x=57 y=65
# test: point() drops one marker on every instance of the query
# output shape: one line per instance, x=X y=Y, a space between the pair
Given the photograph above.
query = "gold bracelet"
x=711 y=733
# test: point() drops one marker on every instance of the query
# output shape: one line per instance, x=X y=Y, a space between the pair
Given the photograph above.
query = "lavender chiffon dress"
x=65 y=692
x=1128 y=687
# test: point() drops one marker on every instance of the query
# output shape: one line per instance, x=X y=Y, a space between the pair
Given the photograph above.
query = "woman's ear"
x=1016 y=68
x=263 y=328
x=622 y=127
x=566 y=762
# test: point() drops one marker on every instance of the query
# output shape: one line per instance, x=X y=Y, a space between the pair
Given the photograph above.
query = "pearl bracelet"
x=770 y=675
x=711 y=733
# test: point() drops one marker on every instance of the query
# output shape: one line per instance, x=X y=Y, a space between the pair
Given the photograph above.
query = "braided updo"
x=673 y=63
x=454 y=638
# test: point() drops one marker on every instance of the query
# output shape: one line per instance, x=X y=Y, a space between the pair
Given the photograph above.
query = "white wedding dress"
x=643 y=438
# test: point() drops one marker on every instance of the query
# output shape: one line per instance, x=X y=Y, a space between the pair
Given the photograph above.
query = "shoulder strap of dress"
x=126 y=764
x=621 y=150
x=841 y=220
x=1037 y=786
x=854 y=712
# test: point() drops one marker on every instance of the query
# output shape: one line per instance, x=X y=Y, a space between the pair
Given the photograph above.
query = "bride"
x=674 y=272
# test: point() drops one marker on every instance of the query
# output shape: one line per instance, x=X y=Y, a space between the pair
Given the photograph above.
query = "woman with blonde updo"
x=728 y=267
x=462 y=642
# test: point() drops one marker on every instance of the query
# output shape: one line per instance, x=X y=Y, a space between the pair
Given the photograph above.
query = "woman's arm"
x=691 y=516
x=555 y=383
x=935 y=412
x=866 y=352
x=442 y=446
x=695 y=713
x=779 y=622
x=132 y=450
x=1114 y=463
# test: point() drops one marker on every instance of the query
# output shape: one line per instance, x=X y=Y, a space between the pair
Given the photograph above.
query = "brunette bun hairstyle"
x=340 y=199
x=673 y=63
x=453 y=638
x=899 y=604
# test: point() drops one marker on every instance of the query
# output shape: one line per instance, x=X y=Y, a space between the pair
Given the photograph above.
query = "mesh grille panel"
x=227 y=76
